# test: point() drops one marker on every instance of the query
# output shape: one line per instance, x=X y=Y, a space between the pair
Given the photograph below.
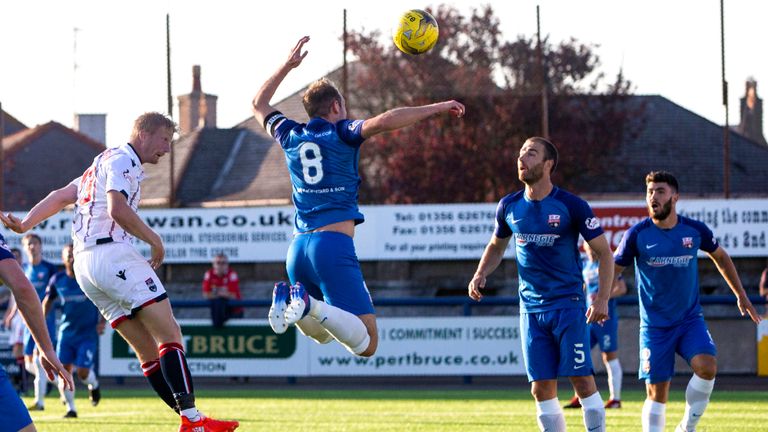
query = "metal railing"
x=466 y=303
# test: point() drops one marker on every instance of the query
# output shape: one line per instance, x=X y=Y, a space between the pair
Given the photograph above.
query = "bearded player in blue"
x=664 y=251
x=328 y=299
x=79 y=328
x=545 y=223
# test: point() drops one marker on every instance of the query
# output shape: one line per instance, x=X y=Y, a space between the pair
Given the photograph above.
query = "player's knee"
x=704 y=366
x=707 y=372
x=82 y=373
x=372 y=346
x=584 y=387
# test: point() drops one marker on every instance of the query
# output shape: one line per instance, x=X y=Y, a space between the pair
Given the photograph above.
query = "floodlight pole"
x=726 y=134
x=172 y=191
x=543 y=81
x=344 y=74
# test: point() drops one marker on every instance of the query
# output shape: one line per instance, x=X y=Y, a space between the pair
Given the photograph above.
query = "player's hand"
x=598 y=311
x=475 y=285
x=456 y=108
x=746 y=308
x=12 y=223
x=296 y=55
x=53 y=367
x=157 y=252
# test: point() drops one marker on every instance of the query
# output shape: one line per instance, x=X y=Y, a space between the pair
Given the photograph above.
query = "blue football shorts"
x=326 y=264
x=606 y=335
x=555 y=343
x=658 y=346
x=79 y=350
x=13 y=413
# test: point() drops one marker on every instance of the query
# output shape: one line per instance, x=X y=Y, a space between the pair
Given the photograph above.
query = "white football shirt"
x=117 y=169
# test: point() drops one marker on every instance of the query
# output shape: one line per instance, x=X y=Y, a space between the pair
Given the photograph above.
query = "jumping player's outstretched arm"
x=492 y=256
x=261 y=106
x=49 y=206
x=726 y=268
x=405 y=116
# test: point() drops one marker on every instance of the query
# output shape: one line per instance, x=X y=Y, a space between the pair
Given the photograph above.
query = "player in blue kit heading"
x=328 y=299
x=39 y=272
x=545 y=223
x=664 y=250
x=79 y=328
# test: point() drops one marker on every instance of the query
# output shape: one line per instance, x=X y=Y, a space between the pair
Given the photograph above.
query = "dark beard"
x=666 y=210
x=534 y=174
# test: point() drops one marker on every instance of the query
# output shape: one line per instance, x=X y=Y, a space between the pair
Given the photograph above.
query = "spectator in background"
x=220 y=285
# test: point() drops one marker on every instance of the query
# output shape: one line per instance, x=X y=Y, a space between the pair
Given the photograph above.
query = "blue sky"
x=671 y=48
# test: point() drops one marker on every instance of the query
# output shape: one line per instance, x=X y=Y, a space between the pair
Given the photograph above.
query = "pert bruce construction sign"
x=397 y=232
x=407 y=346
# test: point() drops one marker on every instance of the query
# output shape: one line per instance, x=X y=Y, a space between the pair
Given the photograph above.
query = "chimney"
x=751 y=125
x=93 y=126
x=197 y=110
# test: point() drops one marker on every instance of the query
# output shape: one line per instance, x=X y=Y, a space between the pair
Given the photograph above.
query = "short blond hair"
x=319 y=97
x=150 y=122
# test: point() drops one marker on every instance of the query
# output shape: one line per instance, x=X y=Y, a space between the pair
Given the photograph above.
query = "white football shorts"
x=118 y=280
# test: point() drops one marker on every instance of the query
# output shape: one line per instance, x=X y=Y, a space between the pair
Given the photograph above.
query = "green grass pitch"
x=311 y=409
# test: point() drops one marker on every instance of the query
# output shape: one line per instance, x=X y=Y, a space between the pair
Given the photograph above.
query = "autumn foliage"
x=473 y=159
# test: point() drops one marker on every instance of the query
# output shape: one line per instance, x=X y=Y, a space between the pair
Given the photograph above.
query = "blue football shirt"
x=39 y=275
x=322 y=160
x=666 y=268
x=79 y=315
x=546 y=235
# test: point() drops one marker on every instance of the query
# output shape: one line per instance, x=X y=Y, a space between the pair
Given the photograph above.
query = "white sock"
x=594 y=412
x=69 y=396
x=696 y=399
x=345 y=327
x=312 y=329
x=191 y=413
x=550 y=416
x=30 y=366
x=41 y=382
x=654 y=416
x=91 y=381
x=615 y=376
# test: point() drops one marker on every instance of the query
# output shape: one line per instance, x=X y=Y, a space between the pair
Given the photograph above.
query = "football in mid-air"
x=416 y=32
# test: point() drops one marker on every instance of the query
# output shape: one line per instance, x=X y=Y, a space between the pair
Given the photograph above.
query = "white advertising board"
x=397 y=232
x=407 y=346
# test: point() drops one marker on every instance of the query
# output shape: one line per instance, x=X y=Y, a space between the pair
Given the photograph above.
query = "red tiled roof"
x=14 y=142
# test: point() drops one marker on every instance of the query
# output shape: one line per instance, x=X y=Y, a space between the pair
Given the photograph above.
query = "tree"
x=474 y=160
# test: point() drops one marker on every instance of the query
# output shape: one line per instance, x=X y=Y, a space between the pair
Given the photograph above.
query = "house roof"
x=42 y=159
x=24 y=137
x=686 y=144
x=234 y=166
x=10 y=124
